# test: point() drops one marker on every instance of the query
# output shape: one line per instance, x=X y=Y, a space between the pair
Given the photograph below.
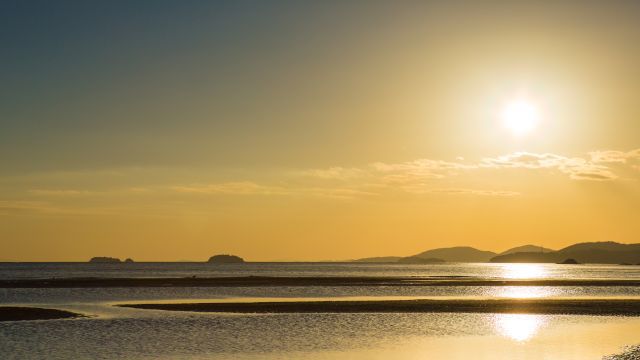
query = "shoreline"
x=20 y=313
x=501 y=306
x=266 y=281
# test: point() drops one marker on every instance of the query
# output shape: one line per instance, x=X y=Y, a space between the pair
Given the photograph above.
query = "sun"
x=520 y=116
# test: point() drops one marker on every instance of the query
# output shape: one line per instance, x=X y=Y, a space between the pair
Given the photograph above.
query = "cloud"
x=461 y=191
x=334 y=173
x=252 y=188
x=420 y=176
x=577 y=168
x=232 y=188
x=614 y=156
x=334 y=193
x=44 y=192
x=14 y=207
x=418 y=169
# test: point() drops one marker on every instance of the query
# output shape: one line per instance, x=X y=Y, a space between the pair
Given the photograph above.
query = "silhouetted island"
x=607 y=252
x=527 y=248
x=225 y=259
x=128 y=260
x=570 y=262
x=104 y=259
x=452 y=254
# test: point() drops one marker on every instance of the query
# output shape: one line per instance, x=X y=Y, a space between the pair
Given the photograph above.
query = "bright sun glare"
x=519 y=327
x=520 y=117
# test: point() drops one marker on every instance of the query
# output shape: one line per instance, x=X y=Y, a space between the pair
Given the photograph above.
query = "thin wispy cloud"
x=335 y=173
x=66 y=192
x=479 y=192
x=418 y=177
x=592 y=168
x=231 y=188
x=614 y=156
x=252 y=188
x=18 y=207
x=577 y=168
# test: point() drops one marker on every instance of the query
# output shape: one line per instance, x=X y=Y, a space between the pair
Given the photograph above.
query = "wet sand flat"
x=18 y=313
x=626 y=307
x=298 y=281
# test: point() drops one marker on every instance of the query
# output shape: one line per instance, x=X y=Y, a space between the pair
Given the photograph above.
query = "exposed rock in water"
x=104 y=259
x=128 y=260
x=225 y=259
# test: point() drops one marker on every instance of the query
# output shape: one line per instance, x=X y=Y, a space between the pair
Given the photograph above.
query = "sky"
x=326 y=130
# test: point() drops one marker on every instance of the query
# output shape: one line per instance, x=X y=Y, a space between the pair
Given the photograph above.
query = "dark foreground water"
x=118 y=333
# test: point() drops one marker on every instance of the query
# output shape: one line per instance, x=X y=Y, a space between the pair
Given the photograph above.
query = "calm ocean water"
x=494 y=271
x=119 y=333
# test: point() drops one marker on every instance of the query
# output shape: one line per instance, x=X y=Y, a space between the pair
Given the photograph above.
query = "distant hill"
x=379 y=259
x=529 y=257
x=458 y=254
x=440 y=255
x=225 y=259
x=601 y=246
x=420 y=260
x=526 y=248
x=594 y=252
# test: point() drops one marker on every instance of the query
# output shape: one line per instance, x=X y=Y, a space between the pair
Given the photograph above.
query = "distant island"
x=108 y=260
x=440 y=255
x=526 y=248
x=607 y=252
x=104 y=259
x=570 y=262
x=225 y=259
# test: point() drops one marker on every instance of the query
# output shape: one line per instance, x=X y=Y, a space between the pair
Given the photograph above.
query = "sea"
x=110 y=332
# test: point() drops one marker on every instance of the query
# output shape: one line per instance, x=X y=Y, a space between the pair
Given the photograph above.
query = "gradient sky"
x=293 y=130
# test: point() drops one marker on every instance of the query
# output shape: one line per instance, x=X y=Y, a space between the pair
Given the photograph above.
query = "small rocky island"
x=104 y=259
x=570 y=261
x=225 y=259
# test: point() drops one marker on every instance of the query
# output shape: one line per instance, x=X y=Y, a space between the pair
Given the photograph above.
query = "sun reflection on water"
x=526 y=292
x=524 y=271
x=519 y=327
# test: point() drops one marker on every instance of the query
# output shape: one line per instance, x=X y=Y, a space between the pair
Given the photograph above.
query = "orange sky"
x=316 y=131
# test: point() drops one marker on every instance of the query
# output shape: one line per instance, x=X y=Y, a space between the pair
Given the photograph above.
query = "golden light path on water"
x=526 y=292
x=519 y=327
x=524 y=271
